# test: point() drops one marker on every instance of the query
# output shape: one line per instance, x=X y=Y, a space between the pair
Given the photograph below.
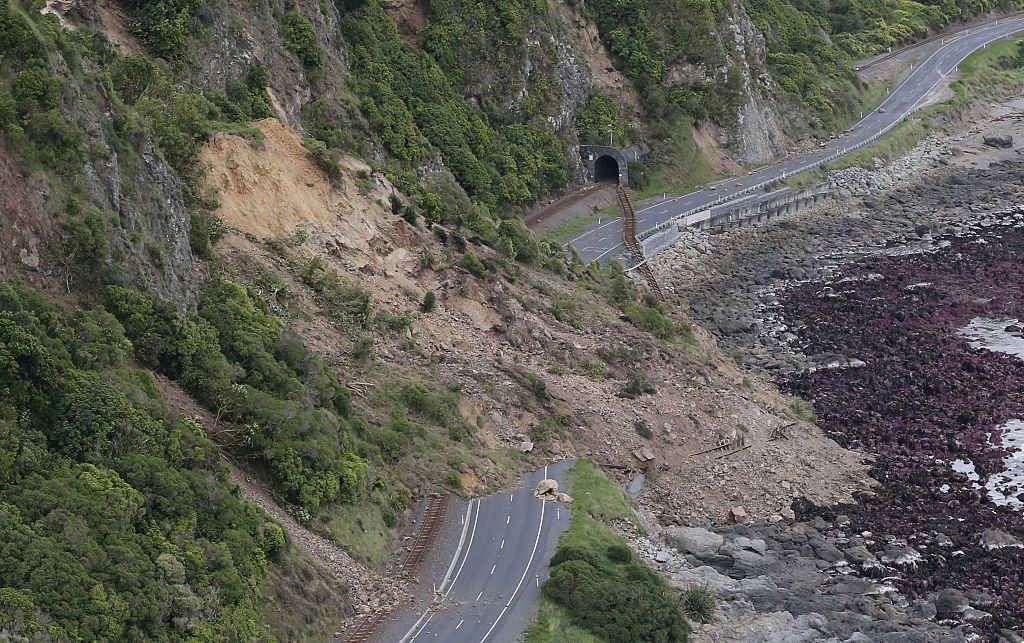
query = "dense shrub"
x=164 y=26
x=180 y=119
x=598 y=119
x=18 y=40
x=300 y=38
x=115 y=521
x=429 y=302
x=245 y=99
x=473 y=265
x=324 y=158
x=608 y=592
x=85 y=246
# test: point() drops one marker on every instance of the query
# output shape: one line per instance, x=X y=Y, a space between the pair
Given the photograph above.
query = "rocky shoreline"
x=860 y=309
x=923 y=400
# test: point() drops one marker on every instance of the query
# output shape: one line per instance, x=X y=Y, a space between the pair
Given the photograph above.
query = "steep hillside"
x=273 y=245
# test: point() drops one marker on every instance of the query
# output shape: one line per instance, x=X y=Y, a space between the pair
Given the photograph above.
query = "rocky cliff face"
x=759 y=133
x=556 y=66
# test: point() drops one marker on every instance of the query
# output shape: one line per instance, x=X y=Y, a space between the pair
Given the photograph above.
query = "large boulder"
x=696 y=541
x=1003 y=141
x=546 y=488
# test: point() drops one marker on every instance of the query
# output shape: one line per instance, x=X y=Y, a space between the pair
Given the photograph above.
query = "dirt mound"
x=273 y=188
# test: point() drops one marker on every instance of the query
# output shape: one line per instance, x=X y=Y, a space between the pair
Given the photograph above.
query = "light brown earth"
x=485 y=334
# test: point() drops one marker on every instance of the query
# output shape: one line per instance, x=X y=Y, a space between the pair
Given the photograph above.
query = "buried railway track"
x=430 y=525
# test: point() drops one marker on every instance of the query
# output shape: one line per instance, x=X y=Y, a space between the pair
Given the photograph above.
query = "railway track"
x=629 y=240
x=433 y=519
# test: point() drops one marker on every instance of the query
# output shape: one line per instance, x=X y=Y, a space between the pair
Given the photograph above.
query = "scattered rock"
x=738 y=515
x=643 y=454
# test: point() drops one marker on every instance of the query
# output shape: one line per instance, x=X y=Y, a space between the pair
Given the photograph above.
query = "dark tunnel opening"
x=606 y=168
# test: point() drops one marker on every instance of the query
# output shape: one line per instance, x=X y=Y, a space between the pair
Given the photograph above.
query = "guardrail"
x=819 y=163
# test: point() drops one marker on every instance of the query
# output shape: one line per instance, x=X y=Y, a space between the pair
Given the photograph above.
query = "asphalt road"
x=488 y=590
x=606 y=240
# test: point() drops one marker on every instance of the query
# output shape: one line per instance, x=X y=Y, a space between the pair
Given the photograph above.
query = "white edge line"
x=469 y=546
x=458 y=549
x=416 y=626
x=536 y=541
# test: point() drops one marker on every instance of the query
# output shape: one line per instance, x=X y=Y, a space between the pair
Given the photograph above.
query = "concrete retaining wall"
x=749 y=211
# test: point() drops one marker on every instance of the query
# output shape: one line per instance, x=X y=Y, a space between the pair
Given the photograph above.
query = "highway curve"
x=606 y=240
x=488 y=587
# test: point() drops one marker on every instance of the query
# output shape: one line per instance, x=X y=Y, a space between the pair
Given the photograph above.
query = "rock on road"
x=604 y=240
x=488 y=589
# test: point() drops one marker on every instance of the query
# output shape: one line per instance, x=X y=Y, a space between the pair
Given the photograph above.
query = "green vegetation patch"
x=116 y=520
x=643 y=46
x=364 y=529
x=414 y=110
x=595 y=495
x=301 y=40
x=654 y=321
x=287 y=408
x=596 y=583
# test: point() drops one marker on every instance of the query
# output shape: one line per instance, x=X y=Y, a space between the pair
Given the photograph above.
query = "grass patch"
x=655 y=322
x=677 y=165
x=554 y=625
x=895 y=143
x=300 y=601
x=803 y=410
x=803 y=180
x=595 y=495
x=698 y=604
x=361 y=529
x=570 y=229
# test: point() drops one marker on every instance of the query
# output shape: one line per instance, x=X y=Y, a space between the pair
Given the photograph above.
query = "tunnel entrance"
x=606 y=168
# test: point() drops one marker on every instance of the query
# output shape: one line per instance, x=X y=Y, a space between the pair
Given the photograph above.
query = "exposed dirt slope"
x=534 y=356
x=272 y=188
